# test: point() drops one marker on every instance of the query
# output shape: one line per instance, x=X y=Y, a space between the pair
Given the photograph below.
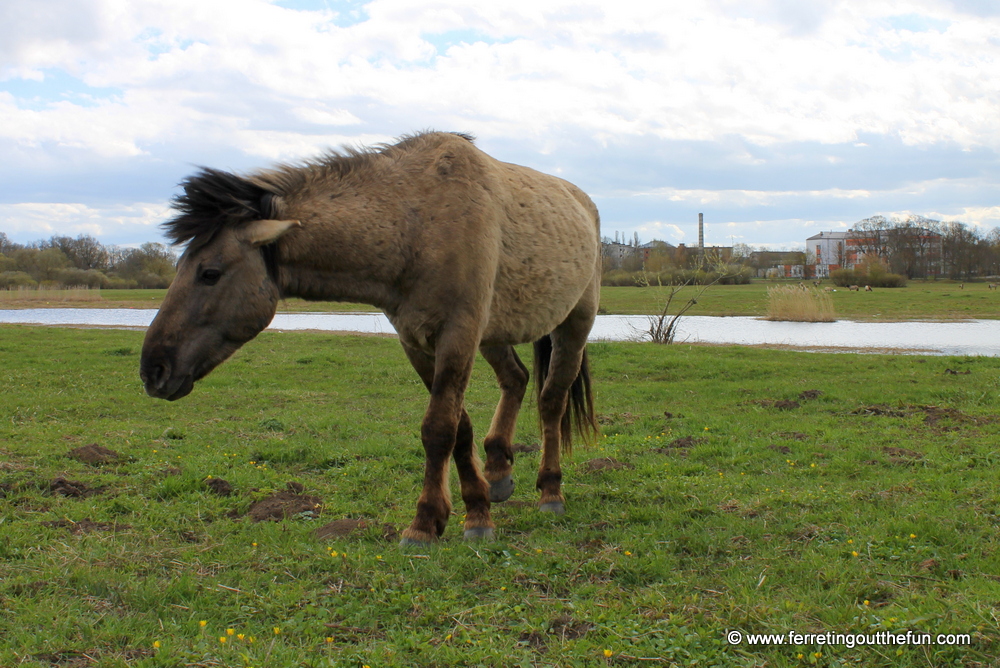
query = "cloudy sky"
x=776 y=118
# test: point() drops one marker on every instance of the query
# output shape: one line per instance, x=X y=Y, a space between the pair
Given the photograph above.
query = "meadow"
x=731 y=489
x=931 y=300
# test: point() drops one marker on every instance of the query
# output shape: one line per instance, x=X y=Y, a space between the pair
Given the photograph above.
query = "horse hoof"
x=554 y=507
x=479 y=533
x=500 y=490
x=413 y=542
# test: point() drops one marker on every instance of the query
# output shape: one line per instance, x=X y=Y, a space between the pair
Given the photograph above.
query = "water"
x=969 y=337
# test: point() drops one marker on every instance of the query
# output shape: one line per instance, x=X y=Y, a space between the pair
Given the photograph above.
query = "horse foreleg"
x=512 y=376
x=446 y=428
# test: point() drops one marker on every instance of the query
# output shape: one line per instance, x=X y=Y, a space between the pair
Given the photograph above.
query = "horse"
x=459 y=250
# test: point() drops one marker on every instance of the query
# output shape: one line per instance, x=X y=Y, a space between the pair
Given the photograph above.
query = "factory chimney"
x=701 y=240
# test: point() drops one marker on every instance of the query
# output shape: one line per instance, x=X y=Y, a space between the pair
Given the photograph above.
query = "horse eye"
x=210 y=276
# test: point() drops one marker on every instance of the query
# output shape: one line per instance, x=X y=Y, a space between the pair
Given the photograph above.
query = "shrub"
x=797 y=304
x=873 y=274
x=16 y=279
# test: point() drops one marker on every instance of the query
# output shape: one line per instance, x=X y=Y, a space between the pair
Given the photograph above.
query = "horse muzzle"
x=161 y=383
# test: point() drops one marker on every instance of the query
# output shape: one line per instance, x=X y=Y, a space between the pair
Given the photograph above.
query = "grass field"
x=937 y=300
x=732 y=489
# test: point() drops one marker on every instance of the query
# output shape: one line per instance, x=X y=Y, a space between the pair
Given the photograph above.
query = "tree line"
x=65 y=262
x=918 y=247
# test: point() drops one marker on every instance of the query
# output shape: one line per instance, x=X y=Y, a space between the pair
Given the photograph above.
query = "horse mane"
x=213 y=199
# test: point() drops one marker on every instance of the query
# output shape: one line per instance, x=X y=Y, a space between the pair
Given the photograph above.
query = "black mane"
x=214 y=199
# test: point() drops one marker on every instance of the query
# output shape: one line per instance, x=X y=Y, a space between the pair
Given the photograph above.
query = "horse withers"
x=461 y=251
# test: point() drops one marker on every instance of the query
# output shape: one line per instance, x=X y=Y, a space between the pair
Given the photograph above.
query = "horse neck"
x=346 y=256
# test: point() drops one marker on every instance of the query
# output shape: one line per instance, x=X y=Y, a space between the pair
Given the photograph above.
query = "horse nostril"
x=155 y=375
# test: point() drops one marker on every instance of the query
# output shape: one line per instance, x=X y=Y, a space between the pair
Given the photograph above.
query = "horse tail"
x=580 y=402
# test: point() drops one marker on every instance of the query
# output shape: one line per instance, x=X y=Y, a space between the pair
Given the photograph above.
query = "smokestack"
x=701 y=240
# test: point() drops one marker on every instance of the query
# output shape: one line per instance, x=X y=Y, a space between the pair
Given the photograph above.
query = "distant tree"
x=85 y=252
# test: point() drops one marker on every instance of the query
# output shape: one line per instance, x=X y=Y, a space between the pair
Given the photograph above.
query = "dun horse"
x=461 y=251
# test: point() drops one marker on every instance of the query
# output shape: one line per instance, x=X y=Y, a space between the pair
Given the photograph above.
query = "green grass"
x=753 y=527
x=934 y=300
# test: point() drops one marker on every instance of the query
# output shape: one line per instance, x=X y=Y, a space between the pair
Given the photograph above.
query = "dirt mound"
x=72 y=488
x=347 y=527
x=340 y=528
x=810 y=394
x=606 y=464
x=682 y=443
x=879 y=410
x=780 y=404
x=219 y=486
x=94 y=454
x=283 y=505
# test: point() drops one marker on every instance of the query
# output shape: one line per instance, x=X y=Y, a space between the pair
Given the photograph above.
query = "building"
x=832 y=250
x=909 y=250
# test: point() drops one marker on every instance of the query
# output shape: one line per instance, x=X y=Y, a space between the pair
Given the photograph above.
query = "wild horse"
x=460 y=251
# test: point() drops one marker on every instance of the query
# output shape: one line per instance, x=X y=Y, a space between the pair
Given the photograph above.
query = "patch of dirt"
x=934 y=414
x=523 y=447
x=283 y=505
x=606 y=464
x=624 y=419
x=534 y=640
x=295 y=487
x=94 y=454
x=957 y=373
x=780 y=404
x=72 y=488
x=219 y=486
x=86 y=526
x=346 y=527
x=340 y=528
x=680 y=444
x=901 y=456
x=810 y=394
x=567 y=628
x=880 y=410
x=783 y=449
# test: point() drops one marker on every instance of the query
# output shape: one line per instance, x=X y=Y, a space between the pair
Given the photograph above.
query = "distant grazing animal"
x=461 y=251
x=868 y=288
x=816 y=283
x=991 y=286
x=855 y=288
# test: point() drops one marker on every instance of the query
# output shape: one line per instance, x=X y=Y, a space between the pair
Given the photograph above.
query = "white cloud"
x=30 y=221
x=192 y=80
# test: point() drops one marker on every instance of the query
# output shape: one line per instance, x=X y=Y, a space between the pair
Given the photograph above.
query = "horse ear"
x=263 y=232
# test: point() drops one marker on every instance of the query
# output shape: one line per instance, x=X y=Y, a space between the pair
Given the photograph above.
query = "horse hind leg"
x=560 y=361
x=512 y=376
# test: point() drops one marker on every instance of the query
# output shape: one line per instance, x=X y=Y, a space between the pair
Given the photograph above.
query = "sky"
x=777 y=119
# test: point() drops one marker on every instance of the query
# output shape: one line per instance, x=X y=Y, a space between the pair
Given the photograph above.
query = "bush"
x=874 y=275
x=73 y=278
x=16 y=279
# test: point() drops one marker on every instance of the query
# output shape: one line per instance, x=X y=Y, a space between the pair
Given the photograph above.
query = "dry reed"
x=799 y=304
